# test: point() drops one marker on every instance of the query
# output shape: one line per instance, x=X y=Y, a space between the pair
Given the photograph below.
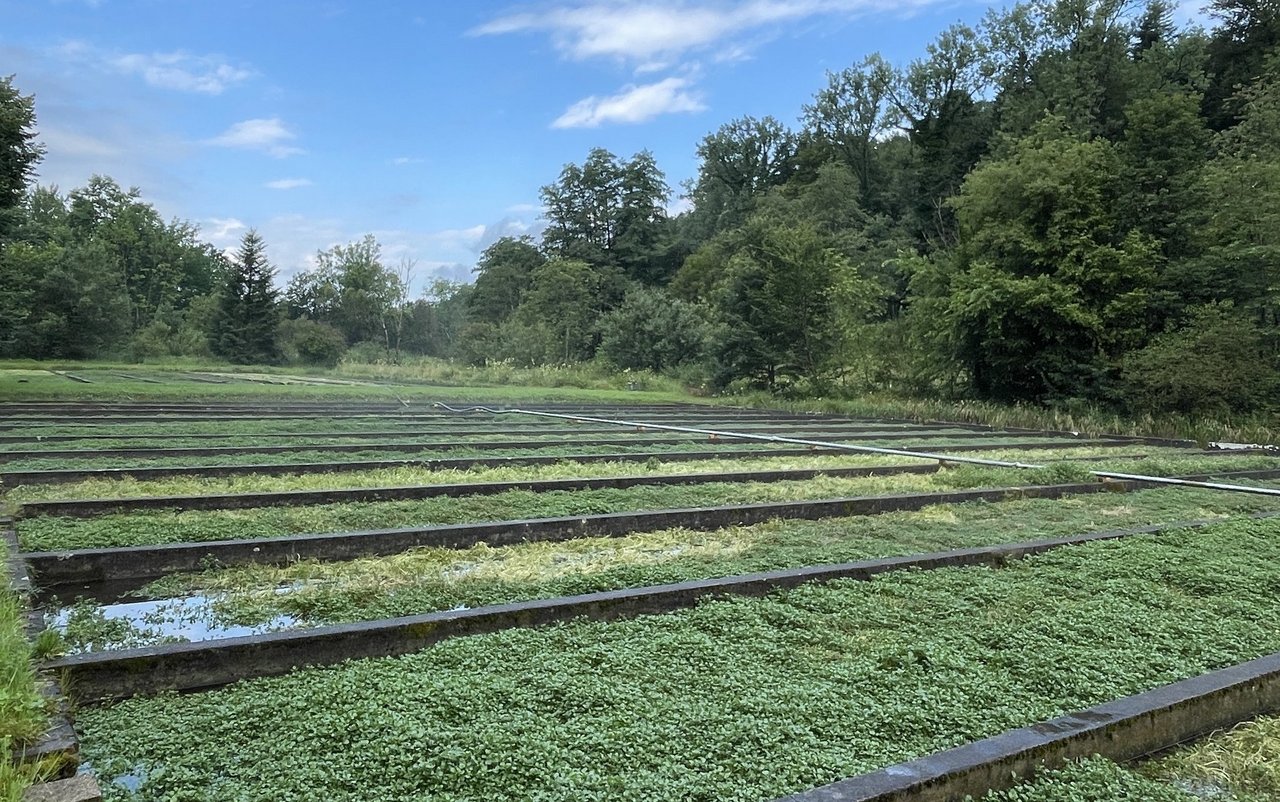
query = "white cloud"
x=223 y=232
x=679 y=205
x=468 y=238
x=177 y=70
x=655 y=33
x=181 y=71
x=268 y=135
x=634 y=104
x=288 y=183
x=401 y=161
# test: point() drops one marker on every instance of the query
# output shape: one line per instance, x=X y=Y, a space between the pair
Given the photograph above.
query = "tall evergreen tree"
x=244 y=328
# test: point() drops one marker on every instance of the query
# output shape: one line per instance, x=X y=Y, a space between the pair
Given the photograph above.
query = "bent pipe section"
x=89 y=566
x=1121 y=730
x=141 y=472
x=103 y=676
x=86 y=508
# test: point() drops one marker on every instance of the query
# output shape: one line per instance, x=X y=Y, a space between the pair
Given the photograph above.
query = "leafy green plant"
x=738 y=699
x=165 y=526
x=425 y=580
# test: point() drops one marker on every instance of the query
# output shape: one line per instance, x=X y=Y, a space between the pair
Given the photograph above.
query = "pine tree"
x=244 y=329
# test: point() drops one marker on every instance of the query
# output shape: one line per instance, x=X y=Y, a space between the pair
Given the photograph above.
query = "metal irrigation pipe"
x=941 y=458
x=765 y=438
x=1165 y=480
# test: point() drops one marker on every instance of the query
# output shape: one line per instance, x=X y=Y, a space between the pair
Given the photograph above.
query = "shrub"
x=654 y=331
x=306 y=342
x=1218 y=362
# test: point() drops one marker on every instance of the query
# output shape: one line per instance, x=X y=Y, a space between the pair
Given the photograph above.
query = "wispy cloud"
x=269 y=135
x=401 y=161
x=658 y=32
x=70 y=144
x=223 y=232
x=288 y=183
x=177 y=70
x=634 y=104
x=183 y=72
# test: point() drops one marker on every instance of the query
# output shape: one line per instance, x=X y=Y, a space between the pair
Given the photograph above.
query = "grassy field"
x=52 y=533
x=430 y=579
x=1167 y=460
x=738 y=699
x=179 y=381
x=433 y=380
x=735 y=700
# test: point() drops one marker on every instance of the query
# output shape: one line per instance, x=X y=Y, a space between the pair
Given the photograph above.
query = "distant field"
x=709 y=696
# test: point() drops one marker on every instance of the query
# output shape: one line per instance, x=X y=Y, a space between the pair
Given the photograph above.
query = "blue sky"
x=428 y=124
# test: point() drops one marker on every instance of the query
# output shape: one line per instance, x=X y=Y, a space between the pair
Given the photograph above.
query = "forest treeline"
x=1073 y=202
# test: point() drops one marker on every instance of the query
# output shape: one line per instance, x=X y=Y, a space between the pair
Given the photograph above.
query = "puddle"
x=124 y=625
x=130 y=781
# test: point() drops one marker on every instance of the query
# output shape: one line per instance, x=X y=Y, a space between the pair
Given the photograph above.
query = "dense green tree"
x=1219 y=362
x=20 y=153
x=352 y=290
x=1159 y=157
x=777 y=304
x=739 y=162
x=1044 y=288
x=503 y=275
x=1240 y=235
x=57 y=301
x=654 y=331
x=434 y=323
x=1068 y=58
x=558 y=322
x=310 y=342
x=852 y=113
x=609 y=213
x=245 y=327
x=1247 y=35
x=160 y=265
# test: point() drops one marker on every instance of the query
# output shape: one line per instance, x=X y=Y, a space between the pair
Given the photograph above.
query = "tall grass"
x=23 y=713
x=1089 y=420
x=582 y=375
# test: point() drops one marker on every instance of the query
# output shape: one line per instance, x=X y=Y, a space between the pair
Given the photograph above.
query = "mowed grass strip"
x=51 y=533
x=421 y=475
x=207 y=431
x=461 y=450
x=738 y=699
x=50 y=464
x=430 y=579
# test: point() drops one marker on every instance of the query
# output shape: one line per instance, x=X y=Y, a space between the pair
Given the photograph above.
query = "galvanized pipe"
x=1261 y=491
x=941 y=458
x=763 y=438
